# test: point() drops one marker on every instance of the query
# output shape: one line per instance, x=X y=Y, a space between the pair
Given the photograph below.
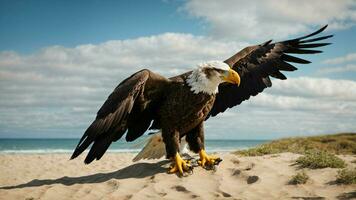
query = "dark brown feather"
x=312 y=45
x=302 y=51
x=289 y=58
x=316 y=39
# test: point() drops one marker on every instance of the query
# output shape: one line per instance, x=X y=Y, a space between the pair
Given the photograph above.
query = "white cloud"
x=342 y=64
x=303 y=104
x=57 y=91
x=61 y=88
x=319 y=88
x=343 y=59
x=296 y=106
x=231 y=19
x=251 y=122
x=329 y=70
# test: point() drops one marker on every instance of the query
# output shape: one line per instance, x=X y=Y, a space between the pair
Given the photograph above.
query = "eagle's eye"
x=222 y=73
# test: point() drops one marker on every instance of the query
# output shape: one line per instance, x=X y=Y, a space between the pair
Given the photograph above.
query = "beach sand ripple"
x=54 y=176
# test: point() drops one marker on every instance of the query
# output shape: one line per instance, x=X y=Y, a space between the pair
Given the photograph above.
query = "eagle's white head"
x=207 y=77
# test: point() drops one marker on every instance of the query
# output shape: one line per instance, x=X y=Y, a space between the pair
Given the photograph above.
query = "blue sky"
x=30 y=25
x=59 y=60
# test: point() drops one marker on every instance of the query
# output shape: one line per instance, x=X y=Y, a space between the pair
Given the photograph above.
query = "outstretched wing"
x=114 y=118
x=255 y=64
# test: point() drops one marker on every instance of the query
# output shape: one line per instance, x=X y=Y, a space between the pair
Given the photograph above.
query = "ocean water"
x=68 y=145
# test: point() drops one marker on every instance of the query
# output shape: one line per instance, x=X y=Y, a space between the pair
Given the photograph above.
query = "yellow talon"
x=207 y=161
x=179 y=165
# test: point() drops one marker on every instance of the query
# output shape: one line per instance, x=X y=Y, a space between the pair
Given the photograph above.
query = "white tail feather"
x=155 y=148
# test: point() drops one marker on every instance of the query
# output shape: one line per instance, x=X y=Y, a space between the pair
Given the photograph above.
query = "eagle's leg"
x=171 y=140
x=195 y=139
x=179 y=165
x=207 y=161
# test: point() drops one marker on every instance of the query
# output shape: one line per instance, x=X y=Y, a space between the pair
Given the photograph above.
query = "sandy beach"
x=115 y=176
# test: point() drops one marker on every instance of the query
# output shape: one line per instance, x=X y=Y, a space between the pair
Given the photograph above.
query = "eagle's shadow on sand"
x=138 y=170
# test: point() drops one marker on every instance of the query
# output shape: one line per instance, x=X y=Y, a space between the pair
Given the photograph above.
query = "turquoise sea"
x=68 y=145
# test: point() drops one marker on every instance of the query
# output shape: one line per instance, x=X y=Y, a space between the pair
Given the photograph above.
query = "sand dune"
x=53 y=176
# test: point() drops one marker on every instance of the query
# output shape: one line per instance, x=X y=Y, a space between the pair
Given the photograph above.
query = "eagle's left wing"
x=255 y=64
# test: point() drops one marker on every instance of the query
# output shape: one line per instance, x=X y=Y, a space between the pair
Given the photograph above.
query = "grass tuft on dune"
x=346 y=176
x=320 y=159
x=343 y=143
x=299 y=178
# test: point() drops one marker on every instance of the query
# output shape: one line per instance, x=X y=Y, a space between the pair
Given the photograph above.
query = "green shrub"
x=346 y=176
x=320 y=159
x=299 y=178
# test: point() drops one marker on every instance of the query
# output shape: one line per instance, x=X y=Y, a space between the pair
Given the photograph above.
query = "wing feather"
x=255 y=64
x=112 y=120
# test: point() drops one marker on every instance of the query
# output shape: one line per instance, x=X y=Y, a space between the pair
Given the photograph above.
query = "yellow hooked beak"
x=232 y=77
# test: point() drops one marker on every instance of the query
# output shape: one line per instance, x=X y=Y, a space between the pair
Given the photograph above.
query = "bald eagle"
x=179 y=105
